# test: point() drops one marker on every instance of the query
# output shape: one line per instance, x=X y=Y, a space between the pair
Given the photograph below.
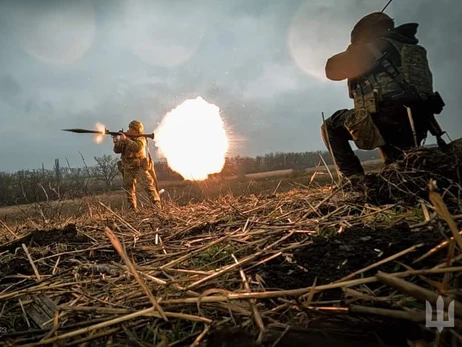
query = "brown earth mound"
x=67 y=235
x=45 y=239
x=406 y=181
x=330 y=259
x=328 y=331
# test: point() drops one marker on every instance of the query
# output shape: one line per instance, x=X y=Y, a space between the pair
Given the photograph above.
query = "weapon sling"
x=397 y=76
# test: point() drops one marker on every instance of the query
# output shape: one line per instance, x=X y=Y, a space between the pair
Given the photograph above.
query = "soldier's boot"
x=132 y=203
x=154 y=196
x=355 y=183
x=390 y=154
x=155 y=200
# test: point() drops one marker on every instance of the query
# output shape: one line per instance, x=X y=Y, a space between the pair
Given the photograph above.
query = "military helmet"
x=137 y=125
x=371 y=25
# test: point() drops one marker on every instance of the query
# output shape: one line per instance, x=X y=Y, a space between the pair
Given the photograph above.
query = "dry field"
x=285 y=259
x=182 y=192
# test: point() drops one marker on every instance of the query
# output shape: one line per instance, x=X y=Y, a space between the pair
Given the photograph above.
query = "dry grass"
x=181 y=192
x=213 y=257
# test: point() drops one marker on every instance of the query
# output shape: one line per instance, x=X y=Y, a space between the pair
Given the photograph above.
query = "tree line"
x=66 y=182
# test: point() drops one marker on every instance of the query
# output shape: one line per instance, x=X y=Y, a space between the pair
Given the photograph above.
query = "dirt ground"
x=330 y=259
x=324 y=259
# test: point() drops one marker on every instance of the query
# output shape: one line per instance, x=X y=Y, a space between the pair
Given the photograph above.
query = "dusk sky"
x=70 y=64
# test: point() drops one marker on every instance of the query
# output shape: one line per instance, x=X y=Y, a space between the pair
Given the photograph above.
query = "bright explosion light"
x=99 y=138
x=193 y=139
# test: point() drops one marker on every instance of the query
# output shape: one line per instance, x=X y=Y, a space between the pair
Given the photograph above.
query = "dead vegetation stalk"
x=256 y=262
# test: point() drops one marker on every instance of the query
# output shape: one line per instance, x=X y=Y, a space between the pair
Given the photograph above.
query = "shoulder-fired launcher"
x=107 y=132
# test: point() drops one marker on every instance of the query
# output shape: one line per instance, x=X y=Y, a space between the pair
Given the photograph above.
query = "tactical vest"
x=380 y=87
x=128 y=154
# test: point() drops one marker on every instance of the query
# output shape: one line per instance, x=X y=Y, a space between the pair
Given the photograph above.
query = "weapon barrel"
x=151 y=135
x=83 y=131
x=107 y=132
x=115 y=133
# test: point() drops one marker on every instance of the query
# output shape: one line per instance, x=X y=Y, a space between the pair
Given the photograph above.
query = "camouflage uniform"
x=135 y=166
x=379 y=118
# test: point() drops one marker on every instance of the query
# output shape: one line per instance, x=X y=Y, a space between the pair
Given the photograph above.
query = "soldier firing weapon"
x=107 y=132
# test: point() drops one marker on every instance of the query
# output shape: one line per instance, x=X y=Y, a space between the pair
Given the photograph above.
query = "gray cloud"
x=261 y=62
x=9 y=89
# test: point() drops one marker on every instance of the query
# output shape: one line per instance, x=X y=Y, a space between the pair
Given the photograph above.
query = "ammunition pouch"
x=433 y=102
x=369 y=101
x=363 y=130
x=132 y=164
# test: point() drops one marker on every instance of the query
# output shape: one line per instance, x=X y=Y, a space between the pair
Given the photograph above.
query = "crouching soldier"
x=390 y=80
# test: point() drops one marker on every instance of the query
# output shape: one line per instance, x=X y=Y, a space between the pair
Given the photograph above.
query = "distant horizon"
x=63 y=160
